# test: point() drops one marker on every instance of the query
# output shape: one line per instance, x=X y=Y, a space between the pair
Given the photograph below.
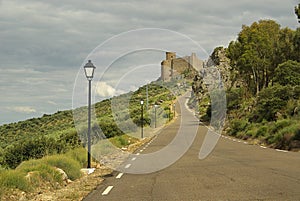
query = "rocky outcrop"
x=216 y=74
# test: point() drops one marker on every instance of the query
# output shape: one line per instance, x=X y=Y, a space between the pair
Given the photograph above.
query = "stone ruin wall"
x=172 y=67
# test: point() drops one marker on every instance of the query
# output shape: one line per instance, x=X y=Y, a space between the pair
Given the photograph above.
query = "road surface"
x=234 y=170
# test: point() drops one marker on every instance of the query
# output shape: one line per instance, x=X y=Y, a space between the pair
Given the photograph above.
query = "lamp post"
x=170 y=112
x=174 y=107
x=89 y=69
x=155 y=106
x=142 y=119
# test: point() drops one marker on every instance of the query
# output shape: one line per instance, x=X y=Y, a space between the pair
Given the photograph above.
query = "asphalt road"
x=234 y=170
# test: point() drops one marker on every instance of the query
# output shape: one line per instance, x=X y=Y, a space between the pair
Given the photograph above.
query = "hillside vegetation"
x=261 y=70
x=53 y=134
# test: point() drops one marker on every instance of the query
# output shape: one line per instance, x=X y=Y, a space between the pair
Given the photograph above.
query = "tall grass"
x=12 y=179
x=35 y=173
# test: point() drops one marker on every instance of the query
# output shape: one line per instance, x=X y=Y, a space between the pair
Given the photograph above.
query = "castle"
x=172 y=67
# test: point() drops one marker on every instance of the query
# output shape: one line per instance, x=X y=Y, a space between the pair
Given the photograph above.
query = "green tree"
x=270 y=101
x=297 y=12
x=288 y=73
x=254 y=51
x=285 y=47
x=296 y=45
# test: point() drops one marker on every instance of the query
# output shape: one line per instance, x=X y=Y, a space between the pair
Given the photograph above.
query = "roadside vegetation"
x=263 y=98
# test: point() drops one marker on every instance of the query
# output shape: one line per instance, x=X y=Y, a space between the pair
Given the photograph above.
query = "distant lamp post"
x=89 y=69
x=174 y=107
x=155 y=107
x=142 y=119
x=169 y=113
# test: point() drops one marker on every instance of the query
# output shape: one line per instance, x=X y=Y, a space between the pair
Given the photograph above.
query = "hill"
x=56 y=133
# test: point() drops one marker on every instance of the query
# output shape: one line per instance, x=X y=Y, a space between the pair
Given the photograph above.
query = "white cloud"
x=51 y=102
x=22 y=109
x=104 y=90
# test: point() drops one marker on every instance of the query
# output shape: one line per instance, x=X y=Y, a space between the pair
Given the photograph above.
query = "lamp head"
x=89 y=69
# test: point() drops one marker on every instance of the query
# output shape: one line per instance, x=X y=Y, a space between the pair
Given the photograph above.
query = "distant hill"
x=56 y=133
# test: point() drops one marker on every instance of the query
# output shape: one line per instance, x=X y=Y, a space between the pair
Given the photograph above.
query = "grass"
x=122 y=141
x=12 y=179
x=279 y=134
x=36 y=173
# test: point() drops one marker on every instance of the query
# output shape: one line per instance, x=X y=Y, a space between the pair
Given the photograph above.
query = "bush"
x=280 y=124
x=234 y=98
x=70 y=166
x=270 y=101
x=237 y=126
x=14 y=179
x=262 y=131
x=41 y=172
x=79 y=155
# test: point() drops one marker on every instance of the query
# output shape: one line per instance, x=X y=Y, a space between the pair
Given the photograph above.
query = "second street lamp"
x=155 y=106
x=142 y=119
x=174 y=107
x=89 y=69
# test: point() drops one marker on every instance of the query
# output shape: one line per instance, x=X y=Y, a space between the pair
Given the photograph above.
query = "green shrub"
x=41 y=172
x=237 y=126
x=280 y=124
x=70 y=166
x=251 y=132
x=297 y=134
x=262 y=131
x=78 y=154
x=14 y=179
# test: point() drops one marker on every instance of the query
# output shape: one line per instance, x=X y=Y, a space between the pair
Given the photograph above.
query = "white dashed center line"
x=119 y=175
x=133 y=159
x=128 y=165
x=107 y=190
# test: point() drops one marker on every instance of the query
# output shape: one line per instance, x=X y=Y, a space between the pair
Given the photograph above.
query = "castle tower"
x=170 y=55
x=166 y=66
x=166 y=70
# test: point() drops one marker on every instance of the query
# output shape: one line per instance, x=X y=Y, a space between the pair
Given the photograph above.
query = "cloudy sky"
x=45 y=43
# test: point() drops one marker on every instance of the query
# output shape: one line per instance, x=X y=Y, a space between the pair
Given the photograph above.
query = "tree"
x=297 y=12
x=270 y=101
x=288 y=73
x=254 y=53
x=285 y=47
x=296 y=45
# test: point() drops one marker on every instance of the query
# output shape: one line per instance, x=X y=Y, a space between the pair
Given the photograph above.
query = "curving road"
x=233 y=171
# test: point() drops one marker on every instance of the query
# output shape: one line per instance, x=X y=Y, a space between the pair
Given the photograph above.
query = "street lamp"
x=89 y=69
x=142 y=119
x=174 y=107
x=169 y=113
x=155 y=106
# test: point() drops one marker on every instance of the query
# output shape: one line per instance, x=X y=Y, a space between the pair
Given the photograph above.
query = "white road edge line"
x=263 y=147
x=119 y=175
x=284 y=151
x=107 y=190
x=128 y=165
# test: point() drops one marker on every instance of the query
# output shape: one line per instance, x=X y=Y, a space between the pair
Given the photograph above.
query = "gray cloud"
x=43 y=43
